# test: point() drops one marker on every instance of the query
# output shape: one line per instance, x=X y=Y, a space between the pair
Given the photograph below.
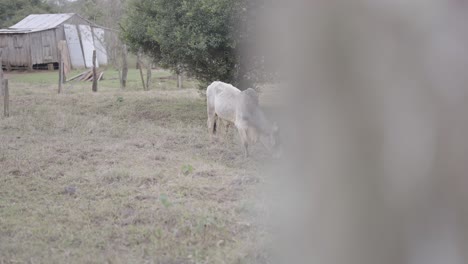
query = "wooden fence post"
x=123 y=80
x=60 y=72
x=6 y=99
x=179 y=77
x=179 y=80
x=95 y=77
x=1 y=72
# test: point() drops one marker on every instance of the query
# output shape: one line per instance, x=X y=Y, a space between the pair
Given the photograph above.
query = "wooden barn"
x=33 y=42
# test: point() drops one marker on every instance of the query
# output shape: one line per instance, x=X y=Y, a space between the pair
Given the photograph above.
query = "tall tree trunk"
x=139 y=64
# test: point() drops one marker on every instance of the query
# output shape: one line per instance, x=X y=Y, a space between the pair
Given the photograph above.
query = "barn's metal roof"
x=37 y=22
x=42 y=21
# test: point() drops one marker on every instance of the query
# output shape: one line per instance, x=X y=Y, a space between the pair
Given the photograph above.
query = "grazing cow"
x=241 y=108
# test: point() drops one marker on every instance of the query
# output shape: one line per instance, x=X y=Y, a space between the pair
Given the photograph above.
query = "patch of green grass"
x=164 y=200
x=161 y=79
x=34 y=78
x=187 y=169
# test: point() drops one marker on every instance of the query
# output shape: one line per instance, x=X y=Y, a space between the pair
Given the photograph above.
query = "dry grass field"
x=123 y=176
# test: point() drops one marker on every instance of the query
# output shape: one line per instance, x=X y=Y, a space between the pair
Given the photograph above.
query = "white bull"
x=241 y=108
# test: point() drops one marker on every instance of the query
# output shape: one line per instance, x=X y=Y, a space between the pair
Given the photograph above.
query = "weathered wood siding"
x=49 y=46
x=24 y=50
x=15 y=49
x=27 y=49
x=36 y=48
x=4 y=48
x=59 y=33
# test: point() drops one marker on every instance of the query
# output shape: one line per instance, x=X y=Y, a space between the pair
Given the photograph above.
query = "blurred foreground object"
x=377 y=166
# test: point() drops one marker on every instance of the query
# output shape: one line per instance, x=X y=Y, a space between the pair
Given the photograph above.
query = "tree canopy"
x=206 y=39
x=102 y=12
x=12 y=12
x=201 y=38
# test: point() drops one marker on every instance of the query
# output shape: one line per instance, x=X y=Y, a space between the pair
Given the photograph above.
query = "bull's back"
x=223 y=97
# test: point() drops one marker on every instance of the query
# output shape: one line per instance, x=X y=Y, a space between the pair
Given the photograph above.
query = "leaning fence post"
x=6 y=99
x=123 y=80
x=179 y=80
x=94 y=72
x=60 y=72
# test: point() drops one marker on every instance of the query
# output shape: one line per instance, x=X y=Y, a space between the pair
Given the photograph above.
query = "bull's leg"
x=227 y=124
x=211 y=122
x=244 y=141
x=227 y=127
x=212 y=127
x=246 y=150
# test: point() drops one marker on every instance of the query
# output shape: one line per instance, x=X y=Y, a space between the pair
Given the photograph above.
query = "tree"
x=201 y=38
x=106 y=13
x=12 y=12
